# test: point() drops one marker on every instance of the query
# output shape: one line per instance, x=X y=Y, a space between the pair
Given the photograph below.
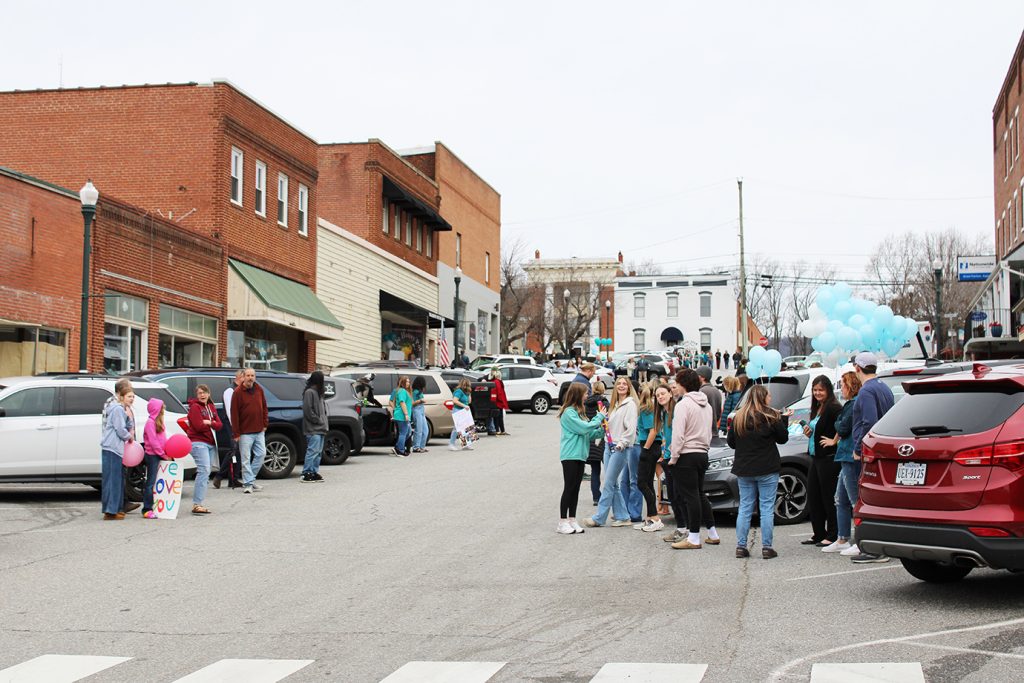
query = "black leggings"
x=821 y=492
x=688 y=482
x=645 y=476
x=572 y=475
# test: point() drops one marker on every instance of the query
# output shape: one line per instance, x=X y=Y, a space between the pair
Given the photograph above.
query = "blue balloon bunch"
x=763 y=362
x=840 y=323
x=603 y=341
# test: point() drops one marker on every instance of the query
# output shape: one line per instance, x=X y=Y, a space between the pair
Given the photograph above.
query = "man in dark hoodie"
x=249 y=422
x=314 y=426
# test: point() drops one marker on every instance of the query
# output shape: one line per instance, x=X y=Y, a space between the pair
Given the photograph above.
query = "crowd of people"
x=663 y=428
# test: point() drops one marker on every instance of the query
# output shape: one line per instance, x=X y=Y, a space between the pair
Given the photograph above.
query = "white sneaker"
x=469 y=446
x=565 y=528
x=835 y=547
x=621 y=522
x=653 y=525
x=452 y=448
x=639 y=526
x=257 y=487
x=576 y=527
x=852 y=551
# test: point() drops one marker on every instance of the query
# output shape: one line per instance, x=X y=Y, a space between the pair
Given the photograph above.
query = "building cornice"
x=355 y=239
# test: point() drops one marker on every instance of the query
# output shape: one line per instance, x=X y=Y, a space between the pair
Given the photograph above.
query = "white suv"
x=528 y=386
x=50 y=427
x=501 y=359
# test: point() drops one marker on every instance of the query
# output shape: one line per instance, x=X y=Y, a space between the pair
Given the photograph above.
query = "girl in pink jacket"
x=154 y=438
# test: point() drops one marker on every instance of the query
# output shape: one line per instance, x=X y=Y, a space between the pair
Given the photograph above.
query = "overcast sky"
x=607 y=126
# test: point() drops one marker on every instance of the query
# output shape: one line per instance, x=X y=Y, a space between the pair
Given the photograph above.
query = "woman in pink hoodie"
x=691 y=439
x=154 y=438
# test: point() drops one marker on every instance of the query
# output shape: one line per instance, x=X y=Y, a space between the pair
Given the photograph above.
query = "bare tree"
x=647 y=266
x=515 y=294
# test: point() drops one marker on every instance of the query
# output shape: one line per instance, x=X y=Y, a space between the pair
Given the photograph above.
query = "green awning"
x=295 y=304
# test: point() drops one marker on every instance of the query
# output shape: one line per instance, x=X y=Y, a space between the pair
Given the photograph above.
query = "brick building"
x=215 y=164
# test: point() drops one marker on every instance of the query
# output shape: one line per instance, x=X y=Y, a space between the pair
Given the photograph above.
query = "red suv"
x=943 y=482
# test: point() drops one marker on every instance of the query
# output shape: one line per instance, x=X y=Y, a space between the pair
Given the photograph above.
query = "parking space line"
x=58 y=668
x=882 y=672
x=650 y=673
x=967 y=650
x=246 y=671
x=848 y=571
x=445 y=672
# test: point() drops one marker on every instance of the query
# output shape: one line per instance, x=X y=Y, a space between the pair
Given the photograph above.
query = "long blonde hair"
x=755 y=411
x=663 y=416
x=614 y=403
x=647 y=403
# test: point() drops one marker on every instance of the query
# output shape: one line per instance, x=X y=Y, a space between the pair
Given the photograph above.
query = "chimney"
x=632 y=273
x=536 y=253
x=620 y=257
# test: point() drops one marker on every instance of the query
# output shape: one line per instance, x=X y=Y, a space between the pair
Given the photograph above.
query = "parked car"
x=659 y=364
x=50 y=428
x=943 y=482
x=501 y=358
x=286 y=445
x=528 y=387
x=794 y=362
x=379 y=430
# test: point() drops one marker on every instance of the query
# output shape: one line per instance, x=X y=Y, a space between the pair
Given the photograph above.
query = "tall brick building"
x=205 y=161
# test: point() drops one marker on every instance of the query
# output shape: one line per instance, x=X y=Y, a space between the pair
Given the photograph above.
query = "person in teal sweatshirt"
x=574 y=446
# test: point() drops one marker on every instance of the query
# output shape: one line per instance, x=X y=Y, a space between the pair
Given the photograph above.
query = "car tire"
x=791 y=497
x=430 y=431
x=540 y=403
x=135 y=483
x=281 y=457
x=337 y=447
x=933 y=572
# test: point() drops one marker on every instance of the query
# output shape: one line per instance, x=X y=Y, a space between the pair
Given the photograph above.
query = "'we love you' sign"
x=167 y=489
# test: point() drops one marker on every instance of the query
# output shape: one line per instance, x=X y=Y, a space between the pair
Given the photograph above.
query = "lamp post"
x=89 y=196
x=608 y=329
x=458 y=281
x=565 y=323
x=937 y=268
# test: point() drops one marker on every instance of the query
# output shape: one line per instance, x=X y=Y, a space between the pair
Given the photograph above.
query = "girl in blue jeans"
x=849 y=473
x=755 y=434
x=419 y=416
x=460 y=401
x=117 y=429
x=402 y=401
x=622 y=422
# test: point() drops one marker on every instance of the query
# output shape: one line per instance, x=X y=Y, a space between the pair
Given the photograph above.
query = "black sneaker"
x=308 y=478
x=869 y=558
x=317 y=478
x=400 y=454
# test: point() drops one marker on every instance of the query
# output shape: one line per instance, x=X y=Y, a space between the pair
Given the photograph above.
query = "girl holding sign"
x=402 y=416
x=154 y=438
x=203 y=423
x=460 y=401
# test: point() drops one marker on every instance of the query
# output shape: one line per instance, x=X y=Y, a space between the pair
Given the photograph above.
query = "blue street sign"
x=977 y=316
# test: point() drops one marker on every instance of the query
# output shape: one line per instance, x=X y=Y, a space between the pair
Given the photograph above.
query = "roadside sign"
x=763 y=342
x=974 y=268
x=977 y=316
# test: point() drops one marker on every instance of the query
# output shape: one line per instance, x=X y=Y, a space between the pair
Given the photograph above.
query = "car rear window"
x=431 y=385
x=171 y=403
x=783 y=391
x=961 y=410
x=284 y=388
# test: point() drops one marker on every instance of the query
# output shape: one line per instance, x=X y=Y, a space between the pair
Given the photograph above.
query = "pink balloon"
x=178 y=446
x=132 y=454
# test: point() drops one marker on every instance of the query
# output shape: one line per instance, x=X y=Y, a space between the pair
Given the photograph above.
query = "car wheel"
x=337 y=447
x=281 y=457
x=540 y=404
x=135 y=483
x=791 y=497
x=933 y=572
x=430 y=430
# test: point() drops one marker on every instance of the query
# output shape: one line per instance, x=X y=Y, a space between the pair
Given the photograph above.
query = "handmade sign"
x=463 y=420
x=167 y=489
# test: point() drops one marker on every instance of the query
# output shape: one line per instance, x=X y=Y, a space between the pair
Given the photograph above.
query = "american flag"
x=445 y=359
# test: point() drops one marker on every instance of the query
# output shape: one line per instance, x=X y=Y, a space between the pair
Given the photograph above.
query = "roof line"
x=38 y=182
x=257 y=102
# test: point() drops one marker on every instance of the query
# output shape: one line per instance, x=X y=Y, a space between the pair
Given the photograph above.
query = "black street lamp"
x=458 y=281
x=89 y=196
x=937 y=268
x=608 y=329
x=565 y=321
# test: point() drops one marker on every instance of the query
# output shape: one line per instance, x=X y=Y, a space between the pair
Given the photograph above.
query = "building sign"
x=974 y=268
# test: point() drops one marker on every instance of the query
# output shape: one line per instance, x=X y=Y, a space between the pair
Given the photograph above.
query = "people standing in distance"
x=420 y=428
x=718 y=359
x=202 y=425
x=631 y=368
x=692 y=423
x=849 y=469
x=713 y=393
x=731 y=402
x=230 y=465
x=314 y=426
x=736 y=358
x=725 y=359
x=460 y=401
x=401 y=401
x=755 y=435
x=650 y=453
x=577 y=433
x=823 y=475
x=500 y=403
x=642 y=368
x=873 y=401
x=249 y=421
x=117 y=429
x=596 y=454
x=154 y=438
x=622 y=415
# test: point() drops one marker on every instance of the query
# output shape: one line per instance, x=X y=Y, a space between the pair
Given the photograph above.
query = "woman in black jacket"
x=823 y=476
x=596 y=454
x=755 y=434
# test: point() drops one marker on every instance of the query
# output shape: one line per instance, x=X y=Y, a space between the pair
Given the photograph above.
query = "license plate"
x=910 y=473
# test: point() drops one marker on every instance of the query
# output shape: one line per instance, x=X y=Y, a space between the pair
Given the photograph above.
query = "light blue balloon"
x=891 y=346
x=816 y=343
x=857 y=321
x=754 y=370
x=848 y=338
x=826 y=342
x=772 y=363
x=897 y=327
x=911 y=330
x=757 y=355
x=865 y=308
x=882 y=316
x=842 y=310
x=825 y=298
x=834 y=326
x=869 y=337
x=842 y=291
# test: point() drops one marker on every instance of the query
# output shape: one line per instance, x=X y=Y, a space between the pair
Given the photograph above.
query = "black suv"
x=286 y=446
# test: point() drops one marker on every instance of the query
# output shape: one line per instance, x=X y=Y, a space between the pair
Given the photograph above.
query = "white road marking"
x=58 y=668
x=967 y=650
x=650 y=673
x=848 y=571
x=246 y=671
x=445 y=672
x=882 y=672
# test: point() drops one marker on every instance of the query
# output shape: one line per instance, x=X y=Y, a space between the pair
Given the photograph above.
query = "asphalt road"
x=452 y=557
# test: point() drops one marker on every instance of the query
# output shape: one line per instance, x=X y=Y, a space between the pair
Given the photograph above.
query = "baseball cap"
x=705 y=372
x=865 y=359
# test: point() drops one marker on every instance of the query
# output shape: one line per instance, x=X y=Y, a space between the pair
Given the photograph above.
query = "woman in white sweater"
x=621 y=438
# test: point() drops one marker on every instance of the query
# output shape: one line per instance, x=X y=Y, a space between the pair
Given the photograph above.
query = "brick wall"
x=1008 y=161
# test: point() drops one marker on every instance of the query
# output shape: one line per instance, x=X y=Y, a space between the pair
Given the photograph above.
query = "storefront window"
x=187 y=339
x=29 y=350
x=124 y=333
x=402 y=342
x=261 y=345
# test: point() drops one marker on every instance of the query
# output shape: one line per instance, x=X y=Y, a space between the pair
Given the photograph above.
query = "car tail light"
x=867 y=453
x=359 y=409
x=908 y=371
x=974 y=457
x=449 y=404
x=988 y=531
x=857 y=521
x=1009 y=455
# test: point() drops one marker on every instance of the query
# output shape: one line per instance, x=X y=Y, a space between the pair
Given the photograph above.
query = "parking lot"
x=451 y=558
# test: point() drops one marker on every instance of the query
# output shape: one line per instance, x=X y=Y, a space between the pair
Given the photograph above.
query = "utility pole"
x=745 y=344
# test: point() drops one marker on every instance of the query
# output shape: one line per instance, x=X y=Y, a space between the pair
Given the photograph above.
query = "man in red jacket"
x=248 y=427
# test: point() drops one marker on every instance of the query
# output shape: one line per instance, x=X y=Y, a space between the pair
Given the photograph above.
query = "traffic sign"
x=763 y=342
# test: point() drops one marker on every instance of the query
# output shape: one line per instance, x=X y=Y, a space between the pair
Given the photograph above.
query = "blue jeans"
x=403 y=435
x=112 y=482
x=611 y=494
x=152 y=465
x=630 y=490
x=419 y=417
x=846 y=496
x=761 y=488
x=252 y=448
x=314 y=450
x=202 y=453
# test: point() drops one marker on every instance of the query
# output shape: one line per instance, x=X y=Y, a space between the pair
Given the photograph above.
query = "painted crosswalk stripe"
x=445 y=672
x=650 y=673
x=881 y=672
x=246 y=671
x=58 y=668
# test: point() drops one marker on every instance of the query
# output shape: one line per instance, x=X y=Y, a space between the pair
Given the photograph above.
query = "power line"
x=874 y=197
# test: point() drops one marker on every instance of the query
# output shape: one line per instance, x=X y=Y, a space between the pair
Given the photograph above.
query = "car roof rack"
x=78 y=375
x=204 y=368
